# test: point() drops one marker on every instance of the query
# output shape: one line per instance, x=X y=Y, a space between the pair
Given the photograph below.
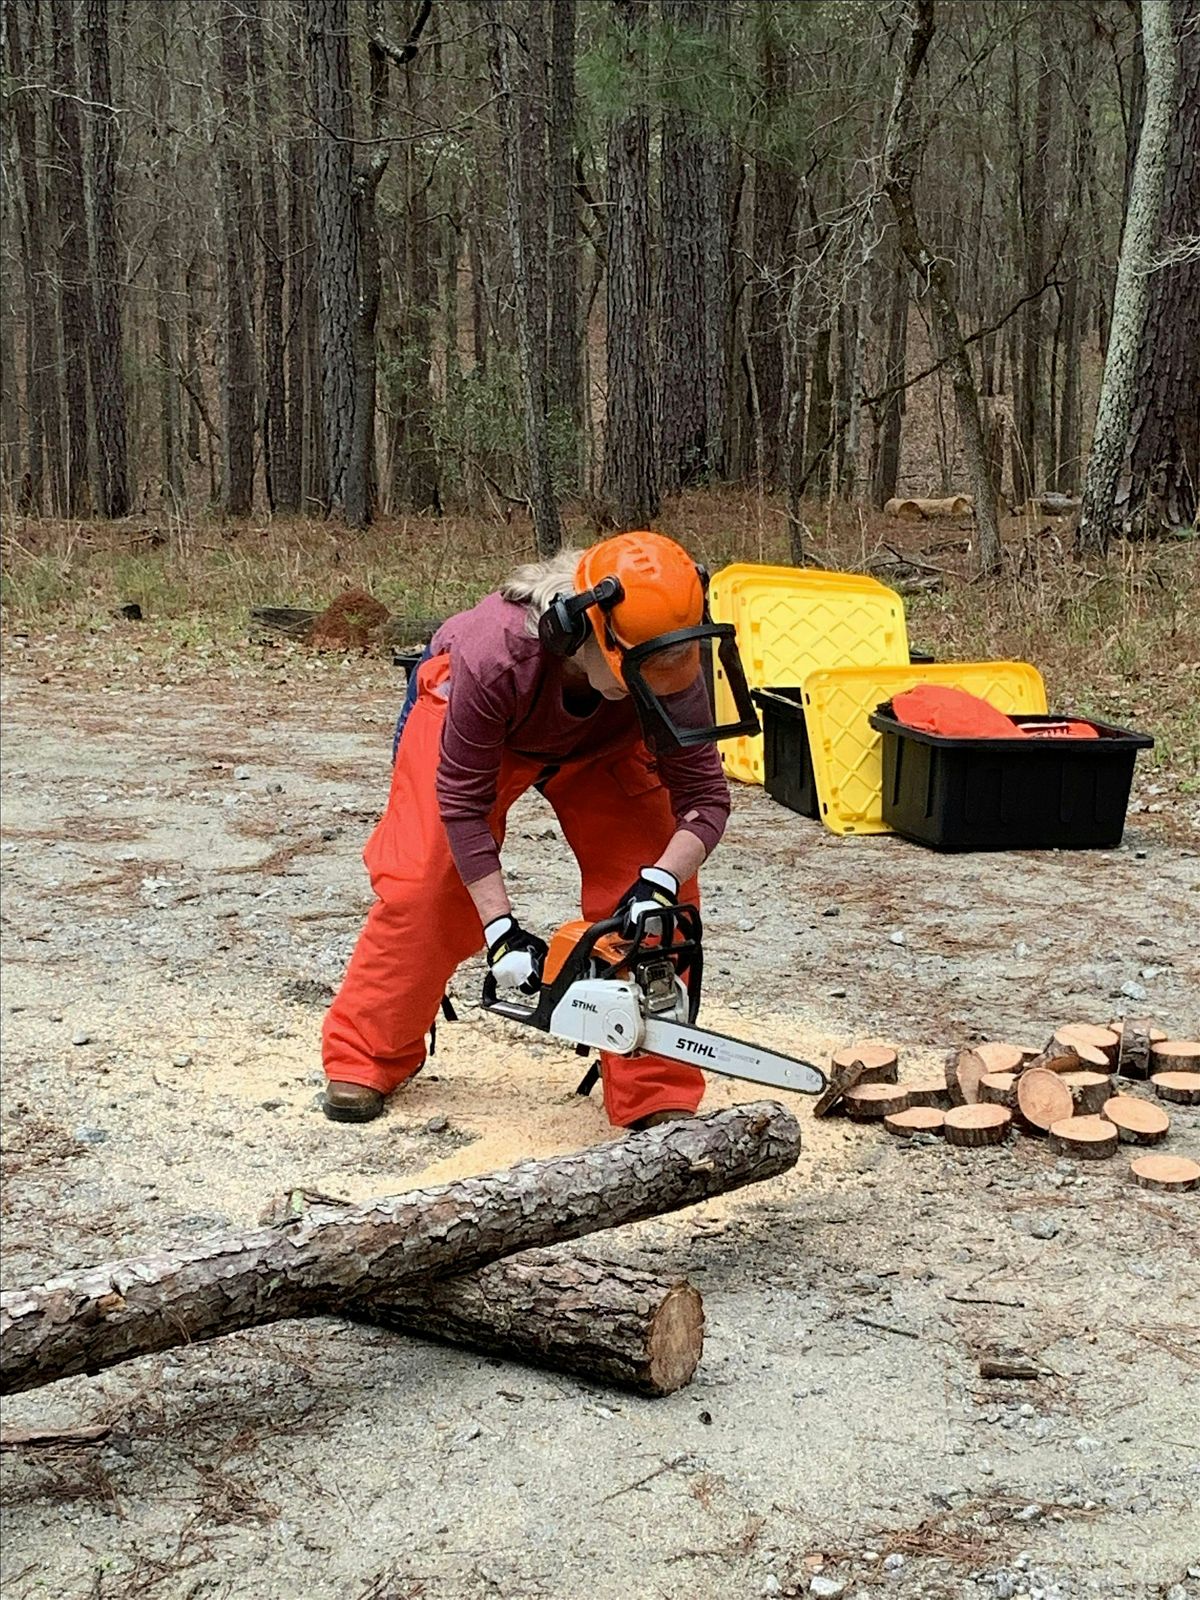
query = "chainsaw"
x=603 y=990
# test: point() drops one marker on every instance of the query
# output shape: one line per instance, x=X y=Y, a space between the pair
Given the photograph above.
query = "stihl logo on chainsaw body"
x=585 y=1005
x=694 y=1047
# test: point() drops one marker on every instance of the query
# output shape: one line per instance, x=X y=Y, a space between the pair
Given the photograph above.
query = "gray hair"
x=536 y=584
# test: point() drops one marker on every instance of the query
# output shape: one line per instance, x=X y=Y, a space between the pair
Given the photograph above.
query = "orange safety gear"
x=662 y=592
x=614 y=812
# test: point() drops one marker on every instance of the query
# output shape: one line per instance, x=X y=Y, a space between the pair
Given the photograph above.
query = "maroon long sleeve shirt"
x=506 y=693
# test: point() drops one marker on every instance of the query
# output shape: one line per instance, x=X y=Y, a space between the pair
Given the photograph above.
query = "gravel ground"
x=182 y=888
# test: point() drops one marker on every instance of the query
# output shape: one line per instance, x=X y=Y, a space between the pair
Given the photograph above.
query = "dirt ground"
x=182 y=888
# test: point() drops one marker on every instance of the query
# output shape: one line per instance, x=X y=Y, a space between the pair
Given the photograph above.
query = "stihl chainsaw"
x=640 y=995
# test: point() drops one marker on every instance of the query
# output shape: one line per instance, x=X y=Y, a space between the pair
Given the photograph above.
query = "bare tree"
x=565 y=377
x=238 y=370
x=75 y=300
x=1099 y=516
x=277 y=474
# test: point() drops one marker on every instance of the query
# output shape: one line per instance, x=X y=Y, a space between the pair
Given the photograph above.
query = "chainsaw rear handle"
x=680 y=942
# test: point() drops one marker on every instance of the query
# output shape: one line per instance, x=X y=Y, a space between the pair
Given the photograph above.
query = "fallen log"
x=918 y=508
x=86 y=1321
x=575 y=1312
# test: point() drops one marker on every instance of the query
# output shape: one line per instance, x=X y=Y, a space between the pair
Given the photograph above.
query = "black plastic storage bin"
x=1007 y=794
x=787 y=763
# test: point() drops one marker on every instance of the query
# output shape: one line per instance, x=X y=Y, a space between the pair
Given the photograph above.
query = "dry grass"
x=1118 y=639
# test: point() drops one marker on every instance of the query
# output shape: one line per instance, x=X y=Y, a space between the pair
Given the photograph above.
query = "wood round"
x=1157 y=1035
x=879 y=1061
x=1181 y=1087
x=1176 y=1055
x=1001 y=1057
x=973 y=1126
x=916 y=1119
x=1106 y=1040
x=1043 y=1098
x=1136 y=1121
x=963 y=1072
x=870 y=1101
x=998 y=1089
x=1173 y=1174
x=1091 y=1138
x=1089 y=1090
x=927 y=1092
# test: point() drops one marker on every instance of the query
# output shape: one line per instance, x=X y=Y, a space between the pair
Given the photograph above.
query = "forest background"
x=302 y=295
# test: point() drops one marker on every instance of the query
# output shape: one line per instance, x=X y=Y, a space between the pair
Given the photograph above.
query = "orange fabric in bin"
x=1059 y=730
x=952 y=713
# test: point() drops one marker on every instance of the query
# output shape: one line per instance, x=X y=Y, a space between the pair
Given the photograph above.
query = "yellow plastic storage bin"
x=845 y=750
x=793 y=621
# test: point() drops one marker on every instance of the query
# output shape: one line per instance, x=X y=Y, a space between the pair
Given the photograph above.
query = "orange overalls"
x=616 y=815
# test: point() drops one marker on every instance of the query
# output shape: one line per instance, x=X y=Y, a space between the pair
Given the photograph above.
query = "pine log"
x=963 y=1072
x=974 y=1126
x=1173 y=1174
x=1136 y=1121
x=1089 y=1090
x=998 y=1089
x=1181 y=1087
x=928 y=1092
x=871 y=1101
x=1001 y=1057
x=1175 y=1055
x=571 y=1311
x=914 y=1119
x=879 y=1061
x=1088 y=1033
x=1091 y=1138
x=1043 y=1098
x=88 y=1320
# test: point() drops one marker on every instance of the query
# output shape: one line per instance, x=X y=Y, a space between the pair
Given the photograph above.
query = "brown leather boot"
x=655 y=1117
x=352 y=1102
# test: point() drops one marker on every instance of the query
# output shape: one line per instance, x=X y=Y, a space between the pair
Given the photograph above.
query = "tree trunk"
x=820 y=414
x=170 y=438
x=1160 y=482
x=191 y=359
x=526 y=223
x=565 y=378
x=901 y=154
x=337 y=266
x=290 y=478
x=683 y=440
x=1100 y=516
x=1032 y=407
x=86 y=1321
x=237 y=378
x=75 y=299
x=630 y=475
x=274 y=423
x=106 y=357
x=774 y=201
x=891 y=414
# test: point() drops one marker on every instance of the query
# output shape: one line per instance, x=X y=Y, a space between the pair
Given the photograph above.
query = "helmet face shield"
x=670 y=680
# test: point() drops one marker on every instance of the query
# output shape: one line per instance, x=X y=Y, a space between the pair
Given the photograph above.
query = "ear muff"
x=564 y=626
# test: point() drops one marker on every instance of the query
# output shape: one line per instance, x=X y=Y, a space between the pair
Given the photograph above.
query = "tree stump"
x=1175 y=1055
x=1090 y=1138
x=963 y=1072
x=1172 y=1174
x=1181 y=1087
x=974 y=1126
x=1088 y=1033
x=879 y=1061
x=915 y=1119
x=1043 y=1099
x=871 y=1101
x=998 y=1089
x=999 y=1057
x=91 y=1319
x=1089 y=1090
x=1136 y=1121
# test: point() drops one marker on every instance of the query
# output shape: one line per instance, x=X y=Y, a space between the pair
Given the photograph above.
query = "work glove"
x=655 y=889
x=515 y=957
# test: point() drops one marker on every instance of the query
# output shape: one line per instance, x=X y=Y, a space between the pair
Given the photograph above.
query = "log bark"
x=1136 y=1121
x=928 y=1092
x=871 y=1101
x=963 y=1074
x=915 y=1119
x=879 y=1062
x=86 y=1321
x=1181 y=1087
x=998 y=1089
x=974 y=1126
x=1172 y=1174
x=1089 y=1138
x=1089 y=1090
x=841 y=1080
x=1133 y=1049
x=1175 y=1055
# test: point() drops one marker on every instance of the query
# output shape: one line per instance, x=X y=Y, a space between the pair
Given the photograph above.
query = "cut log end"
x=916 y=1119
x=1169 y=1174
x=1175 y=1055
x=871 y=1101
x=1089 y=1034
x=1181 y=1087
x=1089 y=1090
x=1000 y=1057
x=879 y=1062
x=674 y=1341
x=1043 y=1098
x=998 y=1089
x=928 y=1092
x=963 y=1073
x=1090 y=1138
x=1136 y=1121
x=973 y=1126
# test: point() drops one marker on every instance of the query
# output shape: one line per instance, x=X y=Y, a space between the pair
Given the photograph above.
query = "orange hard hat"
x=662 y=592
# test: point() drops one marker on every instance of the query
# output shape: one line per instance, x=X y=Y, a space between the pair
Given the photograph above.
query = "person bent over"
x=584 y=677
